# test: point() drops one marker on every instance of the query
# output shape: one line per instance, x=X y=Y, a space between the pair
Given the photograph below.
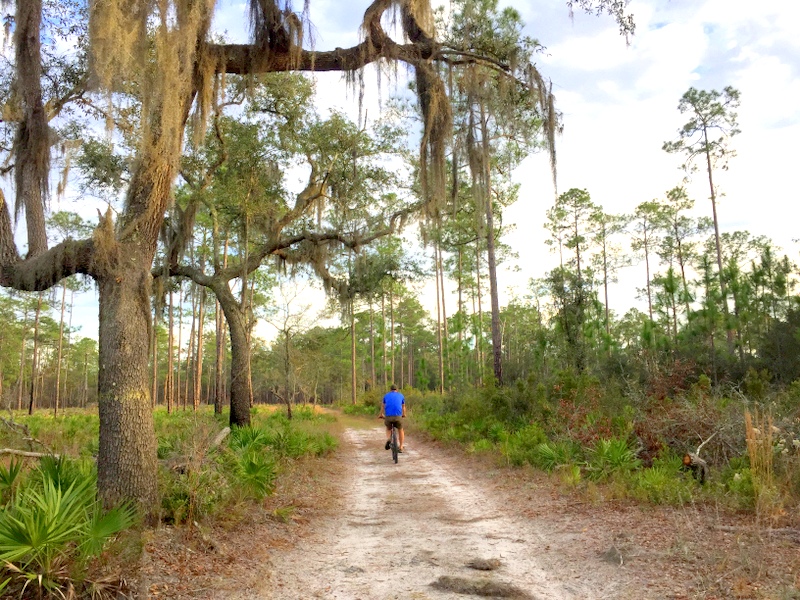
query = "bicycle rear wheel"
x=395 y=446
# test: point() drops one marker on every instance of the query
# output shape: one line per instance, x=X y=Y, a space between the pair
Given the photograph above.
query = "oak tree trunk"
x=241 y=385
x=126 y=462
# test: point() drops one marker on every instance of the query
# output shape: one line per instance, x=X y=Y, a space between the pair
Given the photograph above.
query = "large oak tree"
x=164 y=51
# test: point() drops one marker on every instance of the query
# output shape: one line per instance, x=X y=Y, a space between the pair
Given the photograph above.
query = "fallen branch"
x=25 y=433
x=220 y=438
x=708 y=439
x=768 y=531
x=182 y=464
x=26 y=454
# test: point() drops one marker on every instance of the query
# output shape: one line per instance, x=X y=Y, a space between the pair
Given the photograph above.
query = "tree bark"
x=60 y=347
x=35 y=357
x=32 y=147
x=190 y=352
x=21 y=377
x=126 y=462
x=169 y=382
x=373 y=382
x=241 y=386
x=198 y=371
x=439 y=320
x=353 y=391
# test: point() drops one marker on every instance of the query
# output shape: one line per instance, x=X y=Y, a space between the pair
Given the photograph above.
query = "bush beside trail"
x=55 y=538
x=631 y=443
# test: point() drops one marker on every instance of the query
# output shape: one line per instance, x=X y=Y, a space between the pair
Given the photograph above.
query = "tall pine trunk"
x=60 y=348
x=190 y=352
x=154 y=352
x=391 y=331
x=21 y=377
x=35 y=357
x=353 y=386
x=497 y=342
x=169 y=382
x=374 y=383
x=219 y=362
x=439 y=320
x=198 y=370
x=177 y=397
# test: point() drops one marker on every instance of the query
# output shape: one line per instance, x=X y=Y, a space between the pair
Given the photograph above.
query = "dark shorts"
x=396 y=420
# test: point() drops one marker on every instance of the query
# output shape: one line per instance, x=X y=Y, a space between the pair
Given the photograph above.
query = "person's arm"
x=383 y=409
x=404 y=408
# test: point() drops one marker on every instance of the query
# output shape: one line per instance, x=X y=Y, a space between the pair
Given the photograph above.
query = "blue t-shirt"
x=393 y=404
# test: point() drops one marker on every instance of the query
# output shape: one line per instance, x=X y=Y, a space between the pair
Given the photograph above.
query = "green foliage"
x=55 y=524
x=549 y=456
x=256 y=473
x=520 y=447
x=250 y=437
x=662 y=484
x=289 y=442
x=193 y=494
x=9 y=479
x=739 y=484
x=609 y=456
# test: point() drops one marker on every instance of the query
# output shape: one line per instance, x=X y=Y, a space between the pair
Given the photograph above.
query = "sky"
x=619 y=104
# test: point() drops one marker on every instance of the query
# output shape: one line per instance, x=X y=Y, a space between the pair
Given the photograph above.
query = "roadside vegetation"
x=57 y=540
x=605 y=443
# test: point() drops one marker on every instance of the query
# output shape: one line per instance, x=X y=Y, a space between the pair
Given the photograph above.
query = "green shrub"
x=324 y=444
x=740 y=487
x=256 y=473
x=481 y=445
x=9 y=479
x=520 y=447
x=249 y=437
x=288 y=442
x=192 y=494
x=54 y=525
x=662 y=485
x=612 y=455
x=62 y=471
x=549 y=456
x=166 y=447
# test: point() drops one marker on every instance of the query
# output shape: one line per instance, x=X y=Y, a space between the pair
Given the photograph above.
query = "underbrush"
x=56 y=541
x=52 y=528
x=631 y=445
x=199 y=481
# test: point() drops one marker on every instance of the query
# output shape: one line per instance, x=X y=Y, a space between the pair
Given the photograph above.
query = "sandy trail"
x=410 y=530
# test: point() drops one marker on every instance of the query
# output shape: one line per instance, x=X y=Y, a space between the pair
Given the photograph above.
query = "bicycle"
x=395 y=445
x=394 y=442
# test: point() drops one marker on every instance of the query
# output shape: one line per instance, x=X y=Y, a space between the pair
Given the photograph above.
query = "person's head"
x=394 y=388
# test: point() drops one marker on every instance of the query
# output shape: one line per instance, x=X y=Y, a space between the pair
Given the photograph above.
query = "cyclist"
x=393 y=409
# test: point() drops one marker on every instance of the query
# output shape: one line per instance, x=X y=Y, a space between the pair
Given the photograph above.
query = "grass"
x=51 y=527
x=589 y=441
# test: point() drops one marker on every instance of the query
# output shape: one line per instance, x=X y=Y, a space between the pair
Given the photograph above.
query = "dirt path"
x=362 y=528
x=424 y=529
